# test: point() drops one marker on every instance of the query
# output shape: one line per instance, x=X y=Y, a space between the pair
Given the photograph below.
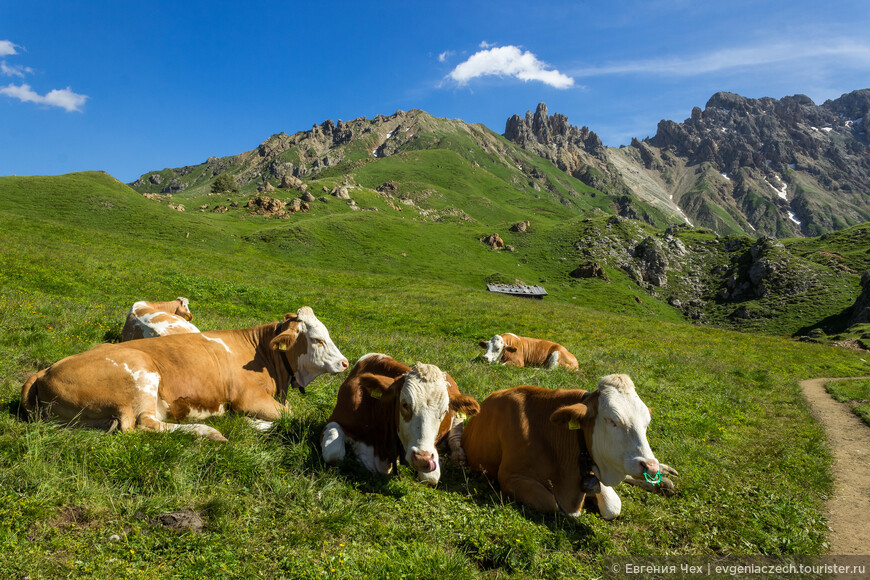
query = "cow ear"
x=286 y=339
x=291 y=316
x=376 y=385
x=464 y=405
x=510 y=348
x=482 y=344
x=573 y=416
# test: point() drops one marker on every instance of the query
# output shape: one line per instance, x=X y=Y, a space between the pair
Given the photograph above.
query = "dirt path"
x=849 y=440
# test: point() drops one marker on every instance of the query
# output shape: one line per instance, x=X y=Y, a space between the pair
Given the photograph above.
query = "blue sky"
x=131 y=87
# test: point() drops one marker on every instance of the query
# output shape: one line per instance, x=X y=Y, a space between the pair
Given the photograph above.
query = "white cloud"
x=445 y=55
x=63 y=98
x=509 y=61
x=7 y=48
x=14 y=71
x=838 y=52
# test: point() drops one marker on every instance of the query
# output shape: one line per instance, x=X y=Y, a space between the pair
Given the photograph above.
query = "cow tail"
x=30 y=393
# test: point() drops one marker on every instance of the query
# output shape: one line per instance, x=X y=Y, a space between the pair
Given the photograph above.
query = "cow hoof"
x=666 y=488
x=216 y=436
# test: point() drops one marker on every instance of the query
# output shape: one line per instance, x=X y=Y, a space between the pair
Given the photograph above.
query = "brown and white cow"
x=384 y=405
x=150 y=319
x=522 y=351
x=144 y=383
x=529 y=438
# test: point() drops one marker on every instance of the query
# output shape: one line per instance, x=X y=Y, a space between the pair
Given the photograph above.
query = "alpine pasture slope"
x=77 y=250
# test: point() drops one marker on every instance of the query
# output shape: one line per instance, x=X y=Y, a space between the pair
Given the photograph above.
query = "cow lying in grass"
x=521 y=351
x=533 y=440
x=142 y=384
x=384 y=405
x=150 y=319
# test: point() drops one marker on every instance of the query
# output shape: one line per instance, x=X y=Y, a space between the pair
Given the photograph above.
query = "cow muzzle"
x=650 y=466
x=424 y=461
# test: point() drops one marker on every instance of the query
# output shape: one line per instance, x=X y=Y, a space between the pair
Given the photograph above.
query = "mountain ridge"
x=757 y=166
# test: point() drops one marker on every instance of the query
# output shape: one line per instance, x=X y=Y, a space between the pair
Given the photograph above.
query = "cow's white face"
x=619 y=444
x=423 y=403
x=494 y=349
x=321 y=355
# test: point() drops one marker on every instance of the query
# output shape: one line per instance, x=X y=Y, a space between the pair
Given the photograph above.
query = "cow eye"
x=611 y=421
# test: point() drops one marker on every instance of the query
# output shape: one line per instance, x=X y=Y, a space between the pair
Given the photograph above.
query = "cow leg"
x=454 y=441
x=366 y=455
x=665 y=488
x=260 y=405
x=609 y=504
x=259 y=424
x=552 y=360
x=332 y=443
x=149 y=423
x=529 y=491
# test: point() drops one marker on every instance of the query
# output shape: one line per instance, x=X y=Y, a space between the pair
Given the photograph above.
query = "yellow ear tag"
x=282 y=346
x=574 y=424
x=376 y=394
x=460 y=415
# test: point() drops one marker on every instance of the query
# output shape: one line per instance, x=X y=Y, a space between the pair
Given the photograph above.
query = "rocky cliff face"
x=577 y=151
x=757 y=166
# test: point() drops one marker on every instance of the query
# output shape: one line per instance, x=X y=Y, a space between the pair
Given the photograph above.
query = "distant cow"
x=143 y=383
x=521 y=351
x=384 y=406
x=537 y=442
x=150 y=319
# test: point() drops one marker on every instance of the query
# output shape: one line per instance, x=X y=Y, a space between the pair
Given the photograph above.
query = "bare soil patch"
x=849 y=440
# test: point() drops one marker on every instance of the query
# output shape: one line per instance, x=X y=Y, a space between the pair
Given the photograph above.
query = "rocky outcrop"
x=575 y=150
x=494 y=241
x=267 y=206
x=521 y=227
x=589 y=270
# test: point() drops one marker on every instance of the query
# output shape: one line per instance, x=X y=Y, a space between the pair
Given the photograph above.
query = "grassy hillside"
x=76 y=251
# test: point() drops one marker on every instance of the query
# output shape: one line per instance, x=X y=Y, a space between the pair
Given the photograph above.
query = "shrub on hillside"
x=224 y=182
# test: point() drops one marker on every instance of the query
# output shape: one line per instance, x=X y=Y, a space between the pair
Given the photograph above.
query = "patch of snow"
x=725 y=175
x=375 y=152
x=827 y=129
x=390 y=134
x=751 y=226
x=792 y=217
x=848 y=123
x=780 y=191
x=814 y=128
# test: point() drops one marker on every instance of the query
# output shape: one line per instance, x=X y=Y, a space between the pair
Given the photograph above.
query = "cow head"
x=422 y=399
x=183 y=309
x=495 y=348
x=309 y=349
x=614 y=421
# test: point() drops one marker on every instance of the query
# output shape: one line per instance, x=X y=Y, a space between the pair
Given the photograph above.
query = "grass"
x=727 y=413
x=856 y=394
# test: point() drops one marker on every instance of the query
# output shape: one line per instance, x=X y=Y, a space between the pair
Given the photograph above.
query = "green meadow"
x=76 y=251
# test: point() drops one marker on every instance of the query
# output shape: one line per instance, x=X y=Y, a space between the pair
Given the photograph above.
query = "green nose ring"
x=655 y=480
